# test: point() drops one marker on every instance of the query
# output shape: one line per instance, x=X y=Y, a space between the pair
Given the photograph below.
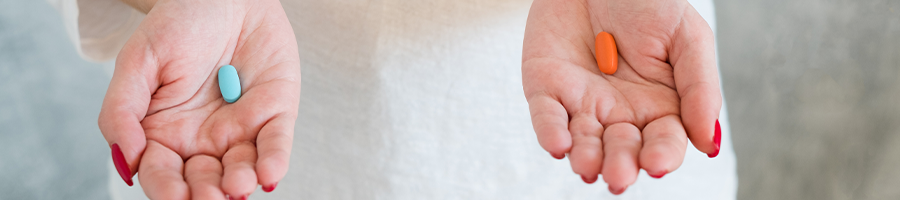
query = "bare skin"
x=164 y=109
x=665 y=91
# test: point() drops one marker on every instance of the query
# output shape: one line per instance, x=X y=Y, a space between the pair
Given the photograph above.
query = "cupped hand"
x=163 y=110
x=665 y=91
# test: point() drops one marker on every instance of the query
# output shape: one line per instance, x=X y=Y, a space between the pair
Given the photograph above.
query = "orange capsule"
x=605 y=52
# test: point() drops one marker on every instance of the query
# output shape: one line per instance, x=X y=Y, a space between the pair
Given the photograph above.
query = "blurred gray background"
x=50 y=145
x=812 y=89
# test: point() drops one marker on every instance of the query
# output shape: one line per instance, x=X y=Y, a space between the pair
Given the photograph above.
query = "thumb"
x=697 y=81
x=125 y=105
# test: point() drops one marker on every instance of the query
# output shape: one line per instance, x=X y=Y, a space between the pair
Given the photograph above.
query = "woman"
x=404 y=99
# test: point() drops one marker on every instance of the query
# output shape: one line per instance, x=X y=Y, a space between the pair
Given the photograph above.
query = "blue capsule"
x=229 y=83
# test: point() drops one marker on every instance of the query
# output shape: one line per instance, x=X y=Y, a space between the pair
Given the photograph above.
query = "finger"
x=587 y=149
x=161 y=173
x=125 y=105
x=204 y=177
x=274 y=146
x=621 y=145
x=240 y=173
x=697 y=81
x=664 y=145
x=550 y=122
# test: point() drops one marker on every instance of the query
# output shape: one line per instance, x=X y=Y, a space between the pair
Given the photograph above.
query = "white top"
x=415 y=100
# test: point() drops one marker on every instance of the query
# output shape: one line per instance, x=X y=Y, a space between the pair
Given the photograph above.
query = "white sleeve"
x=98 y=28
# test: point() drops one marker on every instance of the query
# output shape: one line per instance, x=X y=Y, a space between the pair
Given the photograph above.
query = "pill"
x=606 y=54
x=229 y=84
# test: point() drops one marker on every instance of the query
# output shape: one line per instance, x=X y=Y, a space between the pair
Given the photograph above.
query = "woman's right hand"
x=163 y=114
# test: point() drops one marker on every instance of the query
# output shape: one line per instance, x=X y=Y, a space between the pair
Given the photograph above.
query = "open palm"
x=164 y=110
x=666 y=88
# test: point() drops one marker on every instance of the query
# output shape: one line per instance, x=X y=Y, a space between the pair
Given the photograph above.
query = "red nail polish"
x=588 y=180
x=658 y=176
x=270 y=188
x=617 y=191
x=717 y=139
x=558 y=157
x=121 y=164
x=237 y=198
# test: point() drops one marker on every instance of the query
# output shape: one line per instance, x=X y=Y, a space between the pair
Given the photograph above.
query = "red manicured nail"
x=717 y=139
x=237 y=198
x=270 y=188
x=617 y=191
x=121 y=164
x=558 y=157
x=588 y=180
x=658 y=176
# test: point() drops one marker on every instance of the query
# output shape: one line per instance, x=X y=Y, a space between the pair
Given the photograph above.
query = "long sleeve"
x=98 y=28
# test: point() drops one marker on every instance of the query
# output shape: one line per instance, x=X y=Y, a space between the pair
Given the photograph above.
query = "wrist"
x=141 y=5
x=145 y=6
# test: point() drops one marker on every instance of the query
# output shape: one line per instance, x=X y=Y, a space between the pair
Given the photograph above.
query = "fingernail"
x=717 y=139
x=657 y=176
x=121 y=164
x=558 y=157
x=617 y=191
x=270 y=188
x=237 y=198
x=588 y=180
